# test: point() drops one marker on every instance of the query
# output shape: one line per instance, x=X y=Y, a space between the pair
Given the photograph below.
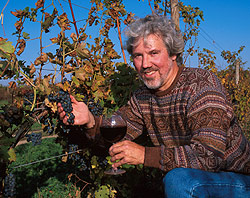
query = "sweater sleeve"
x=94 y=132
x=208 y=119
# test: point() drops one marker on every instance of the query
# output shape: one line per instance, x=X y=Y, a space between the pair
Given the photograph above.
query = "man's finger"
x=62 y=115
x=119 y=163
x=65 y=120
x=73 y=100
x=117 y=145
x=115 y=150
x=117 y=157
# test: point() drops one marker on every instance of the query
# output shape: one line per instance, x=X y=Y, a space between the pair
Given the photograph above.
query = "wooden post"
x=237 y=71
x=175 y=13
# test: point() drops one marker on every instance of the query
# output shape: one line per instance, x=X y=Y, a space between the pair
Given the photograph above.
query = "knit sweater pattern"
x=191 y=125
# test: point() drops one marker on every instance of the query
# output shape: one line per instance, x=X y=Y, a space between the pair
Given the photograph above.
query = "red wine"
x=113 y=134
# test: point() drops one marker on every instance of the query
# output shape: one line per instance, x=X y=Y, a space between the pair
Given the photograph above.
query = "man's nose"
x=145 y=62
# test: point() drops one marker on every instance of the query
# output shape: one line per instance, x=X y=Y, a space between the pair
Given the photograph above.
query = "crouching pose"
x=187 y=114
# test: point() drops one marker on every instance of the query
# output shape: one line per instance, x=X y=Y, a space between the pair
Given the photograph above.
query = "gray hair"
x=159 y=25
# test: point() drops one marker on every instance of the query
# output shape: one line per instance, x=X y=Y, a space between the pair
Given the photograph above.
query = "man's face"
x=153 y=63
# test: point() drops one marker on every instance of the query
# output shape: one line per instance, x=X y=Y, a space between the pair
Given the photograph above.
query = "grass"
x=42 y=176
x=2 y=103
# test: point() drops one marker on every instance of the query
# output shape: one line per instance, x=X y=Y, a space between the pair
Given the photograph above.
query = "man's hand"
x=81 y=112
x=127 y=152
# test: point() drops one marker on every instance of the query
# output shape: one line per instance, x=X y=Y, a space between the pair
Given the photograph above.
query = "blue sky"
x=226 y=25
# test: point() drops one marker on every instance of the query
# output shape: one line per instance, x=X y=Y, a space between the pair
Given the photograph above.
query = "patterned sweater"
x=191 y=125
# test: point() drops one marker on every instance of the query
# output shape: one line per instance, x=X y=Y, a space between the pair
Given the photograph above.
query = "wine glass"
x=113 y=129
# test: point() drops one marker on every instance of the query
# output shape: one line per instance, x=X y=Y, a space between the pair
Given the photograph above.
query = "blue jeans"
x=187 y=182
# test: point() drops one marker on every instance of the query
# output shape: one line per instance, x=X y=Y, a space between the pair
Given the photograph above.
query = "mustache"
x=148 y=69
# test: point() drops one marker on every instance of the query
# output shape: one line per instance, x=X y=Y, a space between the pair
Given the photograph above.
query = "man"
x=187 y=115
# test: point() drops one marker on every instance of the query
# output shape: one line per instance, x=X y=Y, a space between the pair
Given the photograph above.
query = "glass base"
x=114 y=172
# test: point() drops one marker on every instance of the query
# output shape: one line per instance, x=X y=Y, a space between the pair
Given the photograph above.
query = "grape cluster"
x=35 y=138
x=9 y=185
x=73 y=148
x=94 y=107
x=63 y=97
x=12 y=114
x=50 y=126
x=76 y=158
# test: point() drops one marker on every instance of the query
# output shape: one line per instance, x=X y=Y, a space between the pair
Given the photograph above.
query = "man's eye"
x=136 y=56
x=154 y=52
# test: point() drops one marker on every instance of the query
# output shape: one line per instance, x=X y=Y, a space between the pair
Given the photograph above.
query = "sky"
x=226 y=25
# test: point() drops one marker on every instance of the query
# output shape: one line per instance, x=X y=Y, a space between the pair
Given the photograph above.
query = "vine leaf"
x=75 y=81
x=65 y=158
x=5 y=143
x=51 y=105
x=6 y=48
x=46 y=85
x=80 y=74
x=32 y=69
x=82 y=52
x=39 y=4
x=26 y=35
x=105 y=191
x=63 y=22
x=12 y=155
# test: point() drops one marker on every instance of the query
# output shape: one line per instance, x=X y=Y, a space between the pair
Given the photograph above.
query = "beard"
x=154 y=82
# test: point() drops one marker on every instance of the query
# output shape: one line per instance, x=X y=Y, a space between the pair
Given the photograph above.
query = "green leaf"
x=75 y=81
x=126 y=166
x=98 y=94
x=89 y=84
x=6 y=48
x=104 y=192
x=26 y=35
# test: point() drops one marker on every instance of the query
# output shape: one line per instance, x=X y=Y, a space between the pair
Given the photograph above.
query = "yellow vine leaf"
x=12 y=155
x=65 y=158
x=51 y=105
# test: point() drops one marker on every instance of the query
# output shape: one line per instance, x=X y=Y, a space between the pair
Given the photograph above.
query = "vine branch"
x=1 y=17
x=149 y=3
x=73 y=16
x=120 y=38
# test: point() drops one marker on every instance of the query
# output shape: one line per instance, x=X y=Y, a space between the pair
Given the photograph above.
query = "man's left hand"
x=127 y=152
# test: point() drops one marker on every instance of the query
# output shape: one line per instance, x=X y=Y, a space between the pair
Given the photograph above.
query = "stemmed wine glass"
x=113 y=129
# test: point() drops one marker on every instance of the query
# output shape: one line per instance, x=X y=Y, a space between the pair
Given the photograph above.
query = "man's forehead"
x=147 y=41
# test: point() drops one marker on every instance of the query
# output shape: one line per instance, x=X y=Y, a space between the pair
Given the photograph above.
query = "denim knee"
x=186 y=182
x=176 y=181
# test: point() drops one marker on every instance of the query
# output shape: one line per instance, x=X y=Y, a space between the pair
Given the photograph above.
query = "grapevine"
x=94 y=68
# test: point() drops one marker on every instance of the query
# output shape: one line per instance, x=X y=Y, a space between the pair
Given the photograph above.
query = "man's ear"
x=173 y=57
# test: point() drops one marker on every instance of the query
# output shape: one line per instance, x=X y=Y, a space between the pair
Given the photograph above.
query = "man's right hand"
x=81 y=112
